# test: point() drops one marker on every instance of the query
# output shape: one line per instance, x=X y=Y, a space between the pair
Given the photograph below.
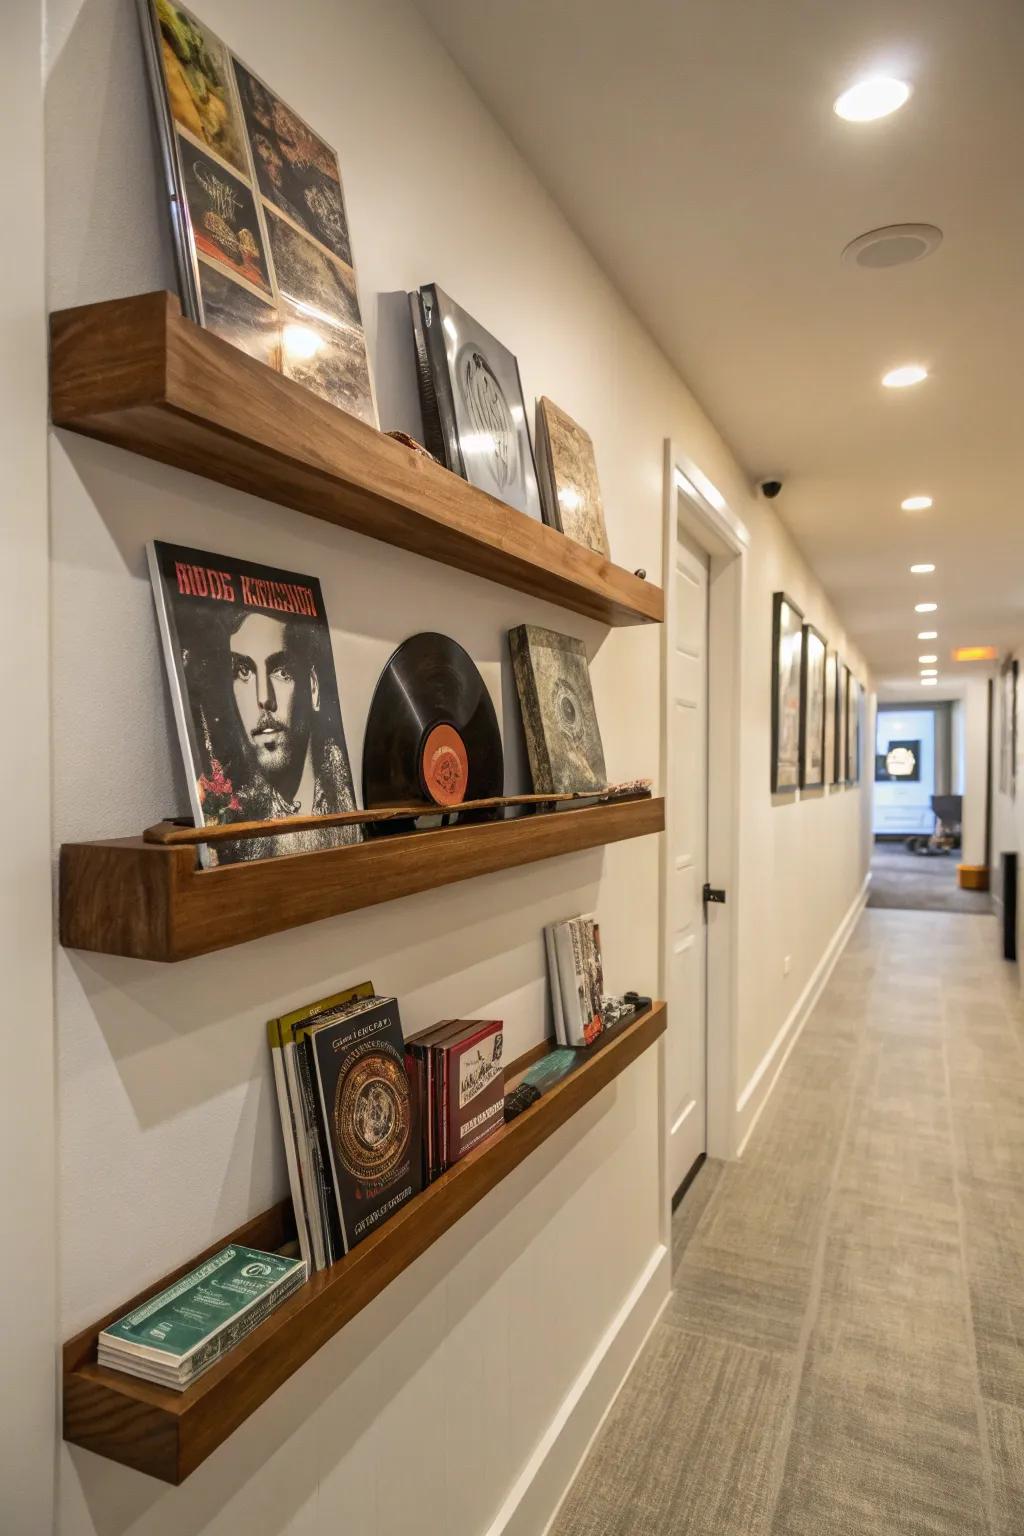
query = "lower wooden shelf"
x=168 y=1434
x=130 y=897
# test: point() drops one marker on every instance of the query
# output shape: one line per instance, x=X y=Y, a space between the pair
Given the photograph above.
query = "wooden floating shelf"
x=168 y=1434
x=134 y=372
x=130 y=897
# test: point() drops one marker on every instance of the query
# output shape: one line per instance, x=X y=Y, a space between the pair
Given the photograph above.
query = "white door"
x=687 y=852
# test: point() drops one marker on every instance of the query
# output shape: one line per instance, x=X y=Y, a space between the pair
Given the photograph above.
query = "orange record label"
x=444 y=766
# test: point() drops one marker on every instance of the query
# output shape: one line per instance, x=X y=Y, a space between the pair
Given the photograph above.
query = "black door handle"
x=714 y=893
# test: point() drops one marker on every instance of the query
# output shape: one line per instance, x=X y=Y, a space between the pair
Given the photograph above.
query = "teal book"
x=183 y=1330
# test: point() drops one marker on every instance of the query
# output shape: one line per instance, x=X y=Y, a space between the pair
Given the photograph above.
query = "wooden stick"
x=169 y=835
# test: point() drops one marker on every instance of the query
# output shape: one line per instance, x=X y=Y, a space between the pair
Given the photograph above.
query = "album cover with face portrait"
x=563 y=741
x=257 y=213
x=474 y=416
x=251 y=673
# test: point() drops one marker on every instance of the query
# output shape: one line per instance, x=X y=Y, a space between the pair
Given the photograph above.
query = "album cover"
x=222 y=212
x=295 y=170
x=256 y=195
x=251 y=673
x=474 y=415
x=563 y=741
x=570 y=490
x=474 y=1086
x=240 y=316
x=366 y=1114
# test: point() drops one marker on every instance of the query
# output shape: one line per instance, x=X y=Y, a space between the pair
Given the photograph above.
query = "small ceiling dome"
x=892 y=246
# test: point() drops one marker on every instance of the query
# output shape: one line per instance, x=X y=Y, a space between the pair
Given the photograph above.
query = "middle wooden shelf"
x=126 y=896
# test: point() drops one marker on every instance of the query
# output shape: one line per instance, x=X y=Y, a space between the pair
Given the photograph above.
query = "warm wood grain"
x=172 y=834
x=130 y=897
x=168 y=1434
x=134 y=372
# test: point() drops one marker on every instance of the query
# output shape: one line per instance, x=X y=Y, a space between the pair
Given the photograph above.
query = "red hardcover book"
x=474 y=1086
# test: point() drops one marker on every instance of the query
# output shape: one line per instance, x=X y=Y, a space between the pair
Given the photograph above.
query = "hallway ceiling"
x=694 y=148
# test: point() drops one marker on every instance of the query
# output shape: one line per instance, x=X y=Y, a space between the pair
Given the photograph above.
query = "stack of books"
x=350 y=1137
x=458 y=1084
x=180 y=1333
x=576 y=978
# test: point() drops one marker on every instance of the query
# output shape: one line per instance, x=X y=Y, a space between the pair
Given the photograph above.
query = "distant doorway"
x=916 y=814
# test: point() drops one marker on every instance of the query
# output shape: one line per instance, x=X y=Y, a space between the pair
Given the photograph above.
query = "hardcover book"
x=365 y=1114
x=567 y=470
x=184 y=1330
x=473 y=1081
x=251 y=673
x=563 y=741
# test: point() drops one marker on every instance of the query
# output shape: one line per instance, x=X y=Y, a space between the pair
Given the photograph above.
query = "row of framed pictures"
x=816 y=706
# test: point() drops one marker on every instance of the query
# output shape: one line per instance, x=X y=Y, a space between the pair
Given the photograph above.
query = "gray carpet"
x=844 y=1351
x=913 y=882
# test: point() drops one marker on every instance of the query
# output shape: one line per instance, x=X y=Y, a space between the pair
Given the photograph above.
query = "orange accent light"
x=975 y=653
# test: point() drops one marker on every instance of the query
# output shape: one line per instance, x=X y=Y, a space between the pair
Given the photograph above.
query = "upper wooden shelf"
x=168 y=1434
x=134 y=372
x=129 y=897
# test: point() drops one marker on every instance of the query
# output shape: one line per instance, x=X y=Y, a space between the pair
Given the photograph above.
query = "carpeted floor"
x=844 y=1351
x=912 y=881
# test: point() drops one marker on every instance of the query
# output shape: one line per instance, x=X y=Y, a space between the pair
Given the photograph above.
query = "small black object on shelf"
x=518 y=1099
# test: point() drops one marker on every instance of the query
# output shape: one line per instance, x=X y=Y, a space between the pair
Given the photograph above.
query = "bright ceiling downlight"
x=916 y=504
x=904 y=376
x=871 y=99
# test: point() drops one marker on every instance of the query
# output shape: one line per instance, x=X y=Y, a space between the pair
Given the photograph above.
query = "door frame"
x=692 y=500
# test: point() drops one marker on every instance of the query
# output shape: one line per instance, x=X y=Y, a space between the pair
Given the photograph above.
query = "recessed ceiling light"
x=870 y=99
x=929 y=682
x=892 y=246
x=903 y=377
x=925 y=607
x=928 y=634
x=921 y=570
x=926 y=659
x=929 y=671
x=916 y=504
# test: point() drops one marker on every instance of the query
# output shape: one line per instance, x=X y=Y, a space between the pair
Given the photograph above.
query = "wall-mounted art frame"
x=839 y=725
x=787 y=673
x=831 y=687
x=1008 y=727
x=852 y=729
x=814 y=652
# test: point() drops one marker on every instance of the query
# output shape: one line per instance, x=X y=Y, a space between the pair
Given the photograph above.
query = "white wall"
x=168 y=1123
x=27 y=1121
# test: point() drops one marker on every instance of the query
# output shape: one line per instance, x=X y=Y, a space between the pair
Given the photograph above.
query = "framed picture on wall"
x=852 y=729
x=831 y=689
x=1008 y=727
x=812 y=709
x=839 y=722
x=787 y=668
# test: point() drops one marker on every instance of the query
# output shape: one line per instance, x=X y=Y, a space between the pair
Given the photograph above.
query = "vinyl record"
x=431 y=734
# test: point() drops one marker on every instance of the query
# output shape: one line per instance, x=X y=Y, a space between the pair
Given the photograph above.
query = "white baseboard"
x=534 y=1499
x=759 y=1088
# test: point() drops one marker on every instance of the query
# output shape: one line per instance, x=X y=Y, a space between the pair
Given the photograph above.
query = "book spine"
x=304 y=1138
x=567 y=981
x=289 y=1134
x=320 y=1163
x=554 y=985
x=440 y=1056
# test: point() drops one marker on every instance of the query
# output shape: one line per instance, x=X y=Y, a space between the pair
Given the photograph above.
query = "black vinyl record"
x=431 y=733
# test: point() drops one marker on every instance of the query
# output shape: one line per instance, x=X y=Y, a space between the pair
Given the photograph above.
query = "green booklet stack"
x=174 y=1337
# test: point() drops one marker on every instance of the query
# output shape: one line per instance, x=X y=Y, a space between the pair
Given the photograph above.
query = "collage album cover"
x=258 y=213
